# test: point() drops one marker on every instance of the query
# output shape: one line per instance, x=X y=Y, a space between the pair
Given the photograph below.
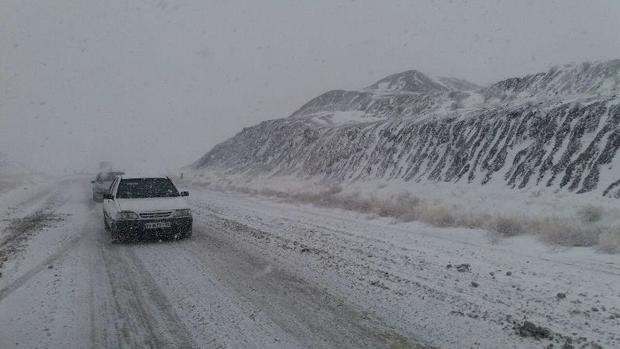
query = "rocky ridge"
x=557 y=129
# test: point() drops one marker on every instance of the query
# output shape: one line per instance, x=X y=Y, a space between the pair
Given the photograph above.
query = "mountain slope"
x=558 y=129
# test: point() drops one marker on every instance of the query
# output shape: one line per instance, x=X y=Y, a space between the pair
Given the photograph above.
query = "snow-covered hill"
x=558 y=129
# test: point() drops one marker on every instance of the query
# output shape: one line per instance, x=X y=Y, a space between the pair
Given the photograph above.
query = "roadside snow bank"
x=559 y=218
x=14 y=175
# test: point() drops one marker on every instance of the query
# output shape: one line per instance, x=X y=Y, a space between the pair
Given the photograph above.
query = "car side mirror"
x=108 y=197
x=184 y=193
x=92 y=181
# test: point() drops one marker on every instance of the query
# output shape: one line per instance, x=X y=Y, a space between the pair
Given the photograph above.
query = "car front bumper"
x=136 y=229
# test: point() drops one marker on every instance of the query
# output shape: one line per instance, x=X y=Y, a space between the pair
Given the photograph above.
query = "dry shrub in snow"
x=438 y=216
x=609 y=241
x=407 y=200
x=566 y=232
x=403 y=206
x=507 y=226
x=385 y=208
x=590 y=214
x=334 y=189
x=473 y=221
x=355 y=203
x=271 y=192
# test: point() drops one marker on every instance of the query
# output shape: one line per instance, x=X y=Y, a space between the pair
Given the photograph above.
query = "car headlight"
x=184 y=212
x=124 y=215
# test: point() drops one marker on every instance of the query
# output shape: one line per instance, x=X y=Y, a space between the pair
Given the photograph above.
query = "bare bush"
x=407 y=200
x=590 y=214
x=508 y=226
x=609 y=241
x=355 y=203
x=566 y=232
x=388 y=208
x=438 y=216
x=472 y=221
x=333 y=189
x=271 y=192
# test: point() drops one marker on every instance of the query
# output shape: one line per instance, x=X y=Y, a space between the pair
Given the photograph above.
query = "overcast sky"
x=155 y=84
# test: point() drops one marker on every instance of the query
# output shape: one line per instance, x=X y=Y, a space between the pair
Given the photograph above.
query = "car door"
x=110 y=207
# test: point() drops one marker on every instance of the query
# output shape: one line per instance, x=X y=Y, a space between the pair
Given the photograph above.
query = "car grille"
x=157 y=214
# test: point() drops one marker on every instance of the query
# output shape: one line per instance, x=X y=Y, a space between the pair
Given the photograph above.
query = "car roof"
x=141 y=175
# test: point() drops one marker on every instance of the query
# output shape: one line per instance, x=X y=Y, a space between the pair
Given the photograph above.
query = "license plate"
x=157 y=225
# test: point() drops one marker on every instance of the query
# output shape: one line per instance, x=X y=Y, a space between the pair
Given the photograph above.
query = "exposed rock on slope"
x=558 y=129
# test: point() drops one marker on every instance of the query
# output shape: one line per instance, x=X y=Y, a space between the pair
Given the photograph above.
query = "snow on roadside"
x=25 y=211
x=449 y=287
x=21 y=201
x=559 y=218
x=19 y=188
x=14 y=175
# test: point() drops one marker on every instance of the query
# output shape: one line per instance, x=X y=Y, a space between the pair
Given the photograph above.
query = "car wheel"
x=106 y=226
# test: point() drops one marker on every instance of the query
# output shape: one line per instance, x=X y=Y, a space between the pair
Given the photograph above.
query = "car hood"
x=152 y=204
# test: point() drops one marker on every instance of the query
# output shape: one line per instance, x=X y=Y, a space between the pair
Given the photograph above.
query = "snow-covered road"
x=260 y=273
x=67 y=286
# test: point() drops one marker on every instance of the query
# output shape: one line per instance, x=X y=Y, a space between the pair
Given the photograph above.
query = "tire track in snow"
x=143 y=315
x=20 y=281
x=217 y=316
x=50 y=202
x=313 y=316
x=35 y=220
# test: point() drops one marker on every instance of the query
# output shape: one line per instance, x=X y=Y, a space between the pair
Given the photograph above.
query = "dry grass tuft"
x=590 y=214
x=609 y=241
x=565 y=232
x=508 y=226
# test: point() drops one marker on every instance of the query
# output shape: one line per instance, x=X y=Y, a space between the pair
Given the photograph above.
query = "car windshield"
x=108 y=177
x=137 y=188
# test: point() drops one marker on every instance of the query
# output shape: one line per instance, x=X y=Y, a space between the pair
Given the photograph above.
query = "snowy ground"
x=556 y=217
x=261 y=273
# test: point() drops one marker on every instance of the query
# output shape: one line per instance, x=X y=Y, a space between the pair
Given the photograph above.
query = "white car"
x=146 y=207
x=102 y=184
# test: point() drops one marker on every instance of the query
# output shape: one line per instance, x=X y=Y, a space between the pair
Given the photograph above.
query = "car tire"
x=106 y=226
